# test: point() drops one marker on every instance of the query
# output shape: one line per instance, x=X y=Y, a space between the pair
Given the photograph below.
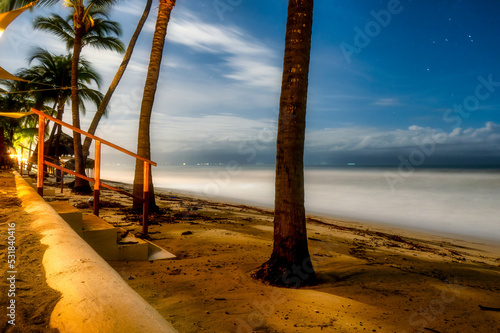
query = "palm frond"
x=89 y=94
x=105 y=43
x=57 y=26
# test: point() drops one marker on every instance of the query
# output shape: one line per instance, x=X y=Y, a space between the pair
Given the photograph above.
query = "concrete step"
x=29 y=180
x=46 y=191
x=100 y=235
x=105 y=239
x=132 y=248
x=69 y=213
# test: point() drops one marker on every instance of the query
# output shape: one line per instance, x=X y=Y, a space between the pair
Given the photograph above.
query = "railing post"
x=62 y=181
x=97 y=176
x=145 y=204
x=41 y=152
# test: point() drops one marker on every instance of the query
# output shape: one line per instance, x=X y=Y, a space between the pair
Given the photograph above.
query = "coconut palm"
x=18 y=131
x=55 y=70
x=88 y=25
x=290 y=263
x=101 y=34
x=82 y=24
x=143 y=142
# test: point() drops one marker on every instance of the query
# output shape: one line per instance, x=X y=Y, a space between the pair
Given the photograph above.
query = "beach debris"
x=142 y=236
x=125 y=234
x=83 y=205
x=187 y=215
x=186 y=233
x=432 y=330
x=129 y=242
x=487 y=308
x=176 y=271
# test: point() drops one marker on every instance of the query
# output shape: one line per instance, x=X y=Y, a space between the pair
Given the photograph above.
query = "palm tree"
x=82 y=24
x=89 y=27
x=11 y=101
x=116 y=80
x=143 y=143
x=100 y=33
x=20 y=131
x=290 y=263
x=55 y=70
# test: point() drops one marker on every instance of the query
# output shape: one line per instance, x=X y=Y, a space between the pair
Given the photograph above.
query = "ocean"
x=444 y=201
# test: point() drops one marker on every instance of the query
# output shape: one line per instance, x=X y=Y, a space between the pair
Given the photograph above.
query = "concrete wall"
x=94 y=296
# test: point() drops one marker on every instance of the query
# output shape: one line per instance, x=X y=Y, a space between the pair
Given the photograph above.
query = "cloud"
x=212 y=132
x=425 y=146
x=248 y=61
x=363 y=138
x=225 y=137
x=387 y=102
x=131 y=8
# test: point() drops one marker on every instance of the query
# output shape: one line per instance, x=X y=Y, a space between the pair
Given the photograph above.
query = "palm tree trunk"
x=116 y=80
x=143 y=144
x=60 y=112
x=81 y=185
x=53 y=130
x=290 y=262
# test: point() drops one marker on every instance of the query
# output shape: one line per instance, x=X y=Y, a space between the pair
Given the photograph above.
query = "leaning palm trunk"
x=60 y=111
x=116 y=80
x=143 y=144
x=290 y=262
x=81 y=185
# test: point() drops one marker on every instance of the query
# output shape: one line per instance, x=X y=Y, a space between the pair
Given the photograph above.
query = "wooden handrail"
x=93 y=137
x=97 y=162
x=92 y=180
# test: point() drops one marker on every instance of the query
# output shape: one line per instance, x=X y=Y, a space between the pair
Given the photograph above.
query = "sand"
x=34 y=299
x=373 y=278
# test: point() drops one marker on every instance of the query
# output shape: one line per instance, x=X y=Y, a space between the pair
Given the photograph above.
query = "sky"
x=392 y=83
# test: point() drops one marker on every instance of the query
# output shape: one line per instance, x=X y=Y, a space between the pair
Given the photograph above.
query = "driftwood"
x=487 y=308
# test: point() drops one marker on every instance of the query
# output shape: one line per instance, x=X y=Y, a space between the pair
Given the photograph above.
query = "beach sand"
x=34 y=299
x=373 y=278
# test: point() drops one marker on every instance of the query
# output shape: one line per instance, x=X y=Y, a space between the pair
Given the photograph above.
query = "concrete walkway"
x=94 y=296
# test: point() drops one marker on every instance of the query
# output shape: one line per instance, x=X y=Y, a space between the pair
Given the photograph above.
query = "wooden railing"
x=21 y=164
x=97 y=167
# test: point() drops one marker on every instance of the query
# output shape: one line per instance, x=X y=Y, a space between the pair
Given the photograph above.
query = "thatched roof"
x=65 y=146
x=70 y=164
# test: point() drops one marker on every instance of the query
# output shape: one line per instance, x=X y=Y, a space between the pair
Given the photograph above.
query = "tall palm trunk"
x=60 y=112
x=290 y=263
x=118 y=76
x=54 y=126
x=81 y=185
x=143 y=144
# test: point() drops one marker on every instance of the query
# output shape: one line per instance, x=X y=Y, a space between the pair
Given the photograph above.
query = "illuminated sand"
x=82 y=293
x=376 y=280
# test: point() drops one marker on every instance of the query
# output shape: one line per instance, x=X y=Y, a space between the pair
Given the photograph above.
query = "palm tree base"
x=282 y=273
x=83 y=190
